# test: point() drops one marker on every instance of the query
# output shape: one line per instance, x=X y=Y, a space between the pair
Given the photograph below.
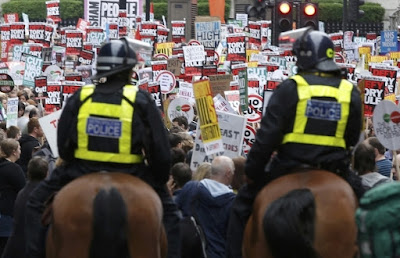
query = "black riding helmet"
x=315 y=51
x=114 y=57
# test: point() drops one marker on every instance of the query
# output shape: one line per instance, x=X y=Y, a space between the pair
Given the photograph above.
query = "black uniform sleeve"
x=271 y=131
x=156 y=144
x=66 y=129
x=354 y=124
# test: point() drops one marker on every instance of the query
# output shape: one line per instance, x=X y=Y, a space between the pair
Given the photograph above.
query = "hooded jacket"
x=209 y=202
x=373 y=179
x=28 y=143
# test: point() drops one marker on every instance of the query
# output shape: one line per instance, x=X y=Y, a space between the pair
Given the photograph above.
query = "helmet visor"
x=286 y=39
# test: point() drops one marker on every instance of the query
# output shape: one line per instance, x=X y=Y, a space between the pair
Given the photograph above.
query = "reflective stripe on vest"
x=306 y=92
x=122 y=113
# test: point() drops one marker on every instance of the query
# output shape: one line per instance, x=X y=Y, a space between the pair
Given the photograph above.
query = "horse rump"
x=288 y=225
x=109 y=225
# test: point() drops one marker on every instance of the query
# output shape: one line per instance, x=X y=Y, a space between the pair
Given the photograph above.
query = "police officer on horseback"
x=312 y=120
x=111 y=126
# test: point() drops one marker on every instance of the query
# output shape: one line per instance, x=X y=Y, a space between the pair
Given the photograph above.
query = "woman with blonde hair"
x=203 y=171
x=12 y=179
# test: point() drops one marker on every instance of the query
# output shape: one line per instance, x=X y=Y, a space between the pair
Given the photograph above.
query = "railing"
x=362 y=27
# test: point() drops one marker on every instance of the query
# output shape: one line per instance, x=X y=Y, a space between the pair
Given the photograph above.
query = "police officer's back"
x=90 y=128
x=111 y=126
x=312 y=120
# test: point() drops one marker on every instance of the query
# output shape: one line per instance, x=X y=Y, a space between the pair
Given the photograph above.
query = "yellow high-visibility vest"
x=106 y=120
x=342 y=94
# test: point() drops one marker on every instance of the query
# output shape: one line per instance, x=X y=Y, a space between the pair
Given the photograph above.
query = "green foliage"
x=161 y=8
x=333 y=11
x=36 y=9
x=330 y=11
x=373 y=12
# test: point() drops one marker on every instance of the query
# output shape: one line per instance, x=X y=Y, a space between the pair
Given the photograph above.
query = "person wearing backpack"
x=378 y=222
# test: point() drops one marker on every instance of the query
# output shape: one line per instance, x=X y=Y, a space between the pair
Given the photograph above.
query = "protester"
x=37 y=171
x=383 y=165
x=364 y=164
x=202 y=172
x=12 y=179
x=182 y=122
x=30 y=142
x=209 y=201
x=180 y=174
x=23 y=120
x=13 y=132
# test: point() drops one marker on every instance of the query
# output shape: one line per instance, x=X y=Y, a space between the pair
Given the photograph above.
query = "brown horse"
x=304 y=214
x=111 y=215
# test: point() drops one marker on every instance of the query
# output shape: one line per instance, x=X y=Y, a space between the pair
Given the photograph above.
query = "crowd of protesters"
x=205 y=194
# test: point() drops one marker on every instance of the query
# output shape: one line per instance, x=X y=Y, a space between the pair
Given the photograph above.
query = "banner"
x=374 y=93
x=232 y=131
x=388 y=41
x=53 y=10
x=33 y=68
x=100 y=12
x=49 y=125
x=5 y=36
x=207 y=30
x=178 y=31
x=236 y=44
x=210 y=131
x=12 y=112
x=74 y=42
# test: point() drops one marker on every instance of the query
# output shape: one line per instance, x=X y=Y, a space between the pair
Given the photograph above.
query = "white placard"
x=12 y=112
x=232 y=129
x=49 y=125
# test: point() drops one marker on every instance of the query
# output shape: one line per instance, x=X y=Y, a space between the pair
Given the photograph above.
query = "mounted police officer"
x=111 y=126
x=312 y=120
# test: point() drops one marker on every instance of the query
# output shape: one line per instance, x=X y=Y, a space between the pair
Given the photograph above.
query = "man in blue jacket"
x=210 y=201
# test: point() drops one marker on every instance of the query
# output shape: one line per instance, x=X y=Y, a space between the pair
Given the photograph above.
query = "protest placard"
x=232 y=129
x=49 y=125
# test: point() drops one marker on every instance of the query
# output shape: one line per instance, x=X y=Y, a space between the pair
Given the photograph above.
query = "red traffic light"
x=310 y=9
x=284 y=8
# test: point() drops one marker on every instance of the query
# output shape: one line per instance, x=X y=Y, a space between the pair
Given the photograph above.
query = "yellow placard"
x=364 y=50
x=249 y=52
x=209 y=126
x=165 y=48
x=395 y=56
x=378 y=59
x=391 y=97
x=253 y=64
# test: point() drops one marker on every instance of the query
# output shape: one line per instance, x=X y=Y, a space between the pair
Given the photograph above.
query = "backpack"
x=378 y=222
x=47 y=154
x=193 y=242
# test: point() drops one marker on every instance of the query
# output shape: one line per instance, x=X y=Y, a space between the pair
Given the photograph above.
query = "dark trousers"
x=243 y=204
x=36 y=232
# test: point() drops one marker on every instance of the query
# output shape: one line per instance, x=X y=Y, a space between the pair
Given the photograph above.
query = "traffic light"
x=309 y=15
x=257 y=11
x=283 y=18
x=354 y=11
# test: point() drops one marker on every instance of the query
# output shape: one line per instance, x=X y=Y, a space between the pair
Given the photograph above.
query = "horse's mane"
x=289 y=225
